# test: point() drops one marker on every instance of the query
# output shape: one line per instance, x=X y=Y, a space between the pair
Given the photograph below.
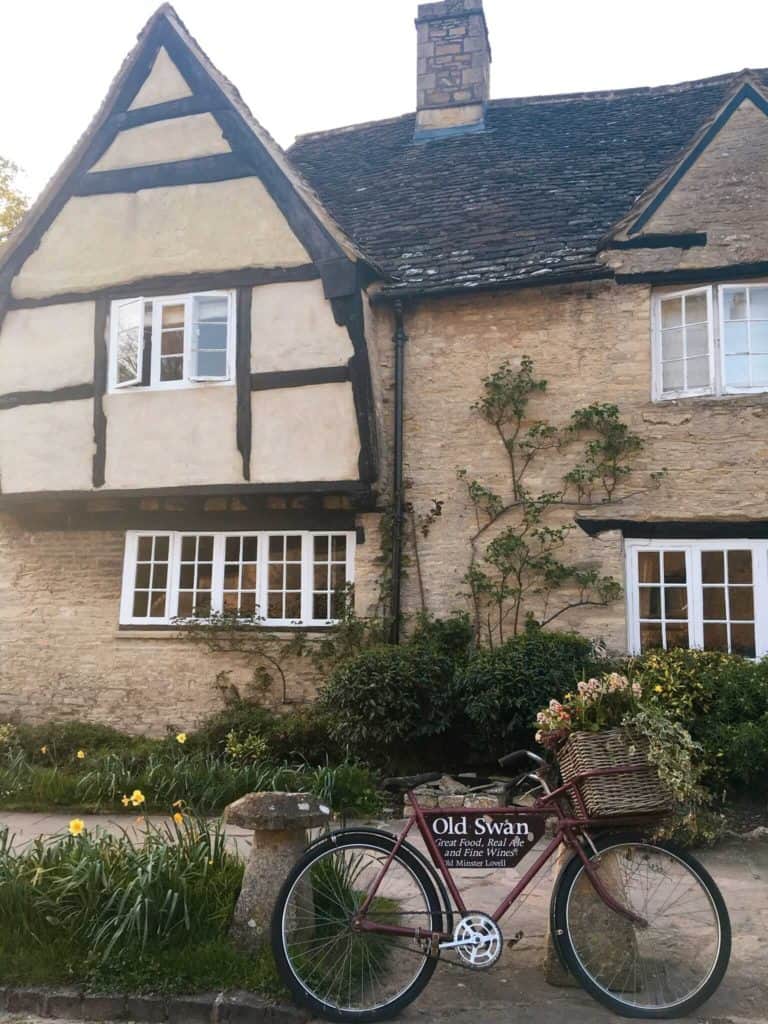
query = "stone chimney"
x=453 y=78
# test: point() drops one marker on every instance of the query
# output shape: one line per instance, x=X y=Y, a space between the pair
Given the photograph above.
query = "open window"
x=172 y=341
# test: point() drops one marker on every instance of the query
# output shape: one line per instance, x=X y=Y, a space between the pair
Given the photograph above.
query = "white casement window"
x=711 y=595
x=295 y=578
x=171 y=341
x=710 y=341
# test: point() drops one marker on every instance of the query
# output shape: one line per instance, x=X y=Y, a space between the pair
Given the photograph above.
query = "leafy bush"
x=388 y=704
x=84 y=908
x=723 y=700
x=453 y=636
x=500 y=690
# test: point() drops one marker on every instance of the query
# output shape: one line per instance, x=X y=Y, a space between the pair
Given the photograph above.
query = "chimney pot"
x=452 y=39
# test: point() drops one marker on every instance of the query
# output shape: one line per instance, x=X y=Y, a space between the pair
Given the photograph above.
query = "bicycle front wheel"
x=664 y=968
x=330 y=965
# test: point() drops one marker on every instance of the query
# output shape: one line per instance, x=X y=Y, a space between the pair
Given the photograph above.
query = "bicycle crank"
x=477 y=940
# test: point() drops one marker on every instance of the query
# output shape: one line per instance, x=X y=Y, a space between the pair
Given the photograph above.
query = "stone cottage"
x=227 y=371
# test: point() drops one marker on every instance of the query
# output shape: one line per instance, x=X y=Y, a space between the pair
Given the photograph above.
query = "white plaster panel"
x=172 y=438
x=108 y=239
x=292 y=328
x=163 y=83
x=46 y=348
x=47 y=447
x=307 y=433
x=180 y=138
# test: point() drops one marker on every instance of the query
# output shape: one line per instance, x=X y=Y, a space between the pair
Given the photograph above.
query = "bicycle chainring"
x=479 y=941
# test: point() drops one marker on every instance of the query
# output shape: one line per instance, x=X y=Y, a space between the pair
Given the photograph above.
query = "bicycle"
x=364 y=915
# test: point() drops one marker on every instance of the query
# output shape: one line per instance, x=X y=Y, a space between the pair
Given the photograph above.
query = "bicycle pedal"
x=515 y=939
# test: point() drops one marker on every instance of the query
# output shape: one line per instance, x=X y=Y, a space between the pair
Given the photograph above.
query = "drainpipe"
x=399 y=339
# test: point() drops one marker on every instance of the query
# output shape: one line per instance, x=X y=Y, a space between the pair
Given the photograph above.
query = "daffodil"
x=178 y=817
x=657 y=688
x=138 y=798
x=76 y=827
x=181 y=737
x=125 y=801
x=80 y=755
x=43 y=750
x=178 y=803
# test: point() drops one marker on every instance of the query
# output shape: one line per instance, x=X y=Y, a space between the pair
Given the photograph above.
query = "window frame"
x=132 y=537
x=717 y=387
x=188 y=379
x=693 y=550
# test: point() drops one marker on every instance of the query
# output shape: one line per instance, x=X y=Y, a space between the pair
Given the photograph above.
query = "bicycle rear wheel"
x=665 y=969
x=331 y=966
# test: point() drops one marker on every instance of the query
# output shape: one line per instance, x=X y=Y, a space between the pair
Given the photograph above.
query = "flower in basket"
x=597 y=704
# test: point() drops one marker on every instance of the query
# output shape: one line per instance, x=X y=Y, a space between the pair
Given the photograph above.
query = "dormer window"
x=710 y=341
x=171 y=341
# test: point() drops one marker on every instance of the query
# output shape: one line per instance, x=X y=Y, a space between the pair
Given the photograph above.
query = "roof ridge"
x=747 y=74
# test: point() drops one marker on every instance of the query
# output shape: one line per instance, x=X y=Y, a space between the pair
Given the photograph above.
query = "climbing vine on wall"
x=518 y=570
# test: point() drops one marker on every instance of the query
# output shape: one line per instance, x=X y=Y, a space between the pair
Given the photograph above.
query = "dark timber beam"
x=243 y=427
x=99 y=390
x=678 y=529
x=299 y=378
x=351 y=488
x=202 y=169
x=171 y=109
x=697 y=275
x=658 y=241
x=176 y=284
x=13 y=399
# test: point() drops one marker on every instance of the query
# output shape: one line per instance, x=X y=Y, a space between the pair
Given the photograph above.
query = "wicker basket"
x=636 y=792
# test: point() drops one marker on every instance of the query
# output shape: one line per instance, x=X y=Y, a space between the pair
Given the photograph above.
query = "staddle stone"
x=279 y=822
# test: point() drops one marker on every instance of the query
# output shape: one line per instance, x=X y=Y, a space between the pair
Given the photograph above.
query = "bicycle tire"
x=561 y=929
x=408 y=859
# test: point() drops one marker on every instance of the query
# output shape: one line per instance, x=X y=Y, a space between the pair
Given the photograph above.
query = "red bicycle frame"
x=569 y=828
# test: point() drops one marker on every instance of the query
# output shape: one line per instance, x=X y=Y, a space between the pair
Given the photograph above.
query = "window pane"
x=672 y=376
x=205 y=549
x=671 y=312
x=293 y=548
x=159 y=577
x=232 y=549
x=740 y=566
x=127 y=356
x=275 y=606
x=648 y=566
x=211 y=308
x=171 y=368
x=276 y=548
x=672 y=344
x=250 y=549
x=320 y=606
x=161 y=549
x=735 y=303
x=674 y=567
x=144 y=549
x=186 y=603
x=737 y=371
x=140 y=604
x=339 y=548
x=677 y=634
x=696 y=308
x=187 y=576
x=248 y=577
x=712 y=567
x=231 y=576
x=698 y=372
x=157 y=604
x=292 y=606
x=248 y=604
x=172 y=343
x=714 y=602
x=338 y=576
x=741 y=604
x=650 y=637
x=173 y=316
x=293 y=577
x=231 y=601
x=696 y=341
x=759 y=370
x=676 y=602
x=736 y=338
x=758 y=336
x=758 y=302
x=321 y=549
x=275 y=576
x=321 y=577
x=715 y=636
x=143 y=575
x=650 y=602
x=211 y=364
x=210 y=336
x=743 y=639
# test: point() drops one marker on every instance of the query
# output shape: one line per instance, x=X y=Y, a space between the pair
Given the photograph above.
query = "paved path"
x=515 y=989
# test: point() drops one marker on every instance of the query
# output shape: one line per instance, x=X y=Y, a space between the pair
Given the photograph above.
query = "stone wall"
x=62 y=655
x=591 y=343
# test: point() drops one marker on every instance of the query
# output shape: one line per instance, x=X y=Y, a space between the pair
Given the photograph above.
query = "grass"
x=107 y=913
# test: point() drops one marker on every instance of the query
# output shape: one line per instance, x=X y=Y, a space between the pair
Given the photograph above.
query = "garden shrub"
x=501 y=689
x=452 y=636
x=390 y=703
x=722 y=700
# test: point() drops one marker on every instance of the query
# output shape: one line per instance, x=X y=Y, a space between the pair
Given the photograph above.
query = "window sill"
x=174 y=633
x=742 y=399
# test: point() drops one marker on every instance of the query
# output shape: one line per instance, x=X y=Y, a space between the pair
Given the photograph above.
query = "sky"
x=308 y=65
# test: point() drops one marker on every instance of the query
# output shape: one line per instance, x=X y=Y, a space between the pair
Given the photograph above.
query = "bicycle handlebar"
x=518 y=758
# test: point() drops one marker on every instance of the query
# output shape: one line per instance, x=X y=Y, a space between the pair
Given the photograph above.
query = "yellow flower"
x=181 y=737
x=178 y=818
x=657 y=688
x=76 y=827
x=80 y=755
x=178 y=803
x=138 y=798
x=43 y=750
x=125 y=801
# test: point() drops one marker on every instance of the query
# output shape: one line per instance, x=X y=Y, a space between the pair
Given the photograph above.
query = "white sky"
x=305 y=65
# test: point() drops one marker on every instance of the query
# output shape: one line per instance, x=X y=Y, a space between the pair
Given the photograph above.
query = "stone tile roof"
x=530 y=198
